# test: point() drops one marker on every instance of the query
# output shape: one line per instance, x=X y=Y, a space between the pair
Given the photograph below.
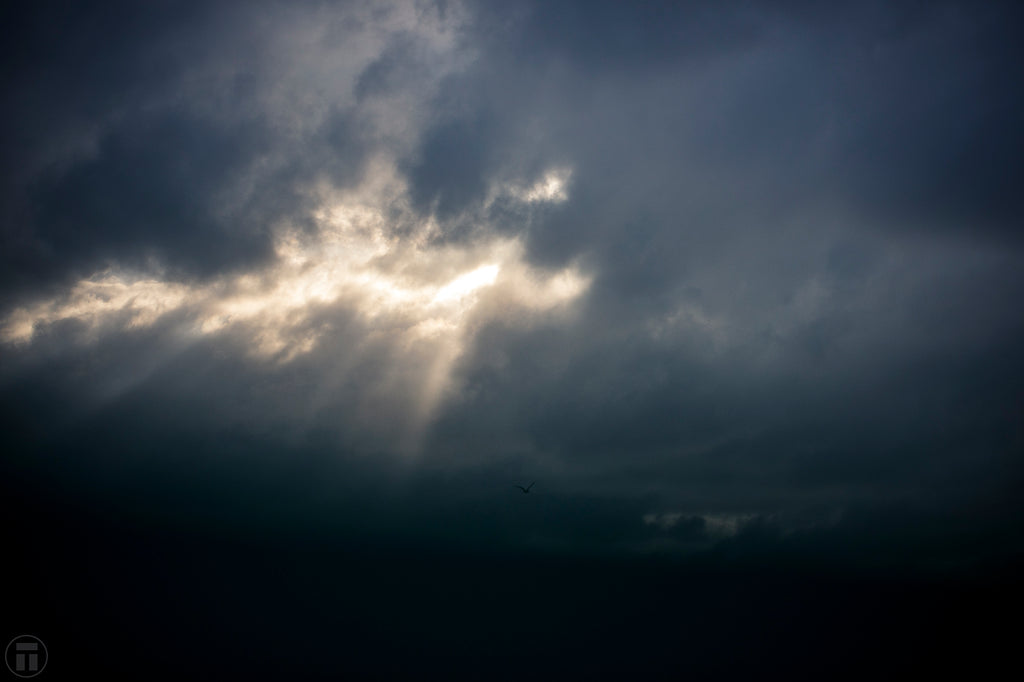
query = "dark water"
x=115 y=598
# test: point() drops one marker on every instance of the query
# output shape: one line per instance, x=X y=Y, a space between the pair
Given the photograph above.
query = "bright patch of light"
x=552 y=187
x=466 y=284
x=424 y=298
x=138 y=302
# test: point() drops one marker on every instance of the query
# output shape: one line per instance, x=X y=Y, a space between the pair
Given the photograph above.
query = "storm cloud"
x=738 y=284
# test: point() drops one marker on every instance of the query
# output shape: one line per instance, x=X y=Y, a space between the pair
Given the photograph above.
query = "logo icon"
x=25 y=656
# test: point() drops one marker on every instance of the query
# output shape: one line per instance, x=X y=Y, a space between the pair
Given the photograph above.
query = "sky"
x=293 y=295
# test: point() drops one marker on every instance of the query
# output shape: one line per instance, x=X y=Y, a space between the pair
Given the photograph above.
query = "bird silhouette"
x=526 y=489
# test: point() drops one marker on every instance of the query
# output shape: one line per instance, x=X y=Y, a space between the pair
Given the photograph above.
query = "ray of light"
x=422 y=297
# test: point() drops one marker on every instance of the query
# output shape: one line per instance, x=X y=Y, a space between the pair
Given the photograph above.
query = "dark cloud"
x=452 y=170
x=153 y=190
x=294 y=294
x=138 y=135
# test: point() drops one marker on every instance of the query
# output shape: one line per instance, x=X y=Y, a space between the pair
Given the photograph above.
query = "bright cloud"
x=715 y=525
x=551 y=187
x=423 y=297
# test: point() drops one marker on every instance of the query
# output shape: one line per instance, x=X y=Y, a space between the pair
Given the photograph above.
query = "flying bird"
x=526 y=489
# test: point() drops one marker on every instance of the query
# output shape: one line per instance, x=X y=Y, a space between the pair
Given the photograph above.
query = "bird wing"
x=522 y=488
x=530 y=486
